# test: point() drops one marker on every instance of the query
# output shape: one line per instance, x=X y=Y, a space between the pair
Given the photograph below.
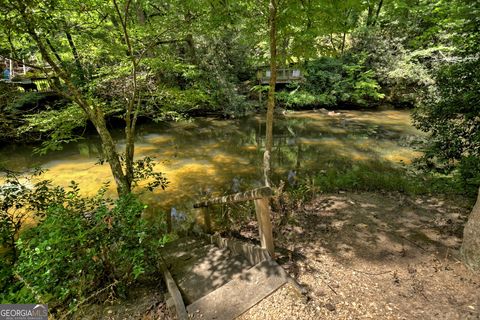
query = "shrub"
x=333 y=81
x=453 y=122
x=19 y=200
x=81 y=246
x=469 y=171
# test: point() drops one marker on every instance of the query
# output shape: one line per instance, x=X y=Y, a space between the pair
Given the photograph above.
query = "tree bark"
x=76 y=57
x=471 y=238
x=271 y=91
x=380 y=4
x=133 y=102
x=108 y=146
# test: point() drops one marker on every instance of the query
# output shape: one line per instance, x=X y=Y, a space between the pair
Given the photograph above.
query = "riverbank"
x=392 y=215
x=368 y=255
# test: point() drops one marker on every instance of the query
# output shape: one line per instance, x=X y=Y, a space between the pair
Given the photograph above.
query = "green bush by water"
x=80 y=246
x=378 y=176
x=366 y=176
x=332 y=81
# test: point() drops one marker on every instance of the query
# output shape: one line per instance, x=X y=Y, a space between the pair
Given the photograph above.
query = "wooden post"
x=11 y=70
x=262 y=208
x=207 y=220
x=174 y=292
x=203 y=219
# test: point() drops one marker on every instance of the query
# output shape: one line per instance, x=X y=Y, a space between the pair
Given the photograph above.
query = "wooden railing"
x=261 y=198
x=283 y=75
x=33 y=84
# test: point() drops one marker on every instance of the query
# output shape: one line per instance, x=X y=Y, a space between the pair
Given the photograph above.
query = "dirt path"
x=375 y=256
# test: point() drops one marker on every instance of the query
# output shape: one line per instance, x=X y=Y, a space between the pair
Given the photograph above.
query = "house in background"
x=284 y=75
x=17 y=74
x=10 y=69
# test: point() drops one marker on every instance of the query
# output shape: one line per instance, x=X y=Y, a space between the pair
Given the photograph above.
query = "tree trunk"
x=54 y=51
x=129 y=149
x=372 y=16
x=132 y=101
x=471 y=238
x=73 y=48
x=370 y=13
x=94 y=113
x=109 y=150
x=271 y=91
x=378 y=12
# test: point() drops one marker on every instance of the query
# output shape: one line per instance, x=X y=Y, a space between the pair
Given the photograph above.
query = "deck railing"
x=261 y=198
x=283 y=75
x=33 y=84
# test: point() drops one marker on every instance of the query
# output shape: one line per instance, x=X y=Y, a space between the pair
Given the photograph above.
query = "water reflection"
x=224 y=156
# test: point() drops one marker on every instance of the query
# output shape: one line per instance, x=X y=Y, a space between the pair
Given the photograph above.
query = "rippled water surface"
x=208 y=155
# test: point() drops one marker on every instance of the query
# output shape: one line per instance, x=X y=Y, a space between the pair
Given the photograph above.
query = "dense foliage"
x=126 y=60
x=333 y=82
x=78 y=248
x=451 y=113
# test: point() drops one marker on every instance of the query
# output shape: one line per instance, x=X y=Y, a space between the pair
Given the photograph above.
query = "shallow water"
x=211 y=156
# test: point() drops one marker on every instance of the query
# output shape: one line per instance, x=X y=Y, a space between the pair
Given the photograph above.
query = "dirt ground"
x=374 y=256
x=145 y=301
x=360 y=256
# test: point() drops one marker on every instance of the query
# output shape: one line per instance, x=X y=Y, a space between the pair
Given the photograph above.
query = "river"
x=211 y=156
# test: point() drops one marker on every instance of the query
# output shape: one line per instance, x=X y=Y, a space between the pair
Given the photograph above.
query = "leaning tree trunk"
x=94 y=113
x=471 y=238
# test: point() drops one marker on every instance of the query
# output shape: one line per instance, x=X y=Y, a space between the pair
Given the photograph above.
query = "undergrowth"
x=377 y=176
x=76 y=250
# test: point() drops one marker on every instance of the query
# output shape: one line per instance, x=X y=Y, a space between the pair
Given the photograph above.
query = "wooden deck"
x=41 y=85
x=283 y=75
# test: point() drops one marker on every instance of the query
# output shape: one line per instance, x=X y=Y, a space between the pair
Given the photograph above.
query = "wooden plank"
x=262 y=208
x=174 y=292
x=258 y=193
x=254 y=254
x=200 y=267
x=239 y=295
x=208 y=220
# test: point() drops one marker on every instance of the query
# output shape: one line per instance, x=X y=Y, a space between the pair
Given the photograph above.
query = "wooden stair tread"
x=240 y=294
x=199 y=267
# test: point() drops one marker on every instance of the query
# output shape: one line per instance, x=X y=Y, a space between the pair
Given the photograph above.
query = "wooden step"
x=199 y=267
x=240 y=294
